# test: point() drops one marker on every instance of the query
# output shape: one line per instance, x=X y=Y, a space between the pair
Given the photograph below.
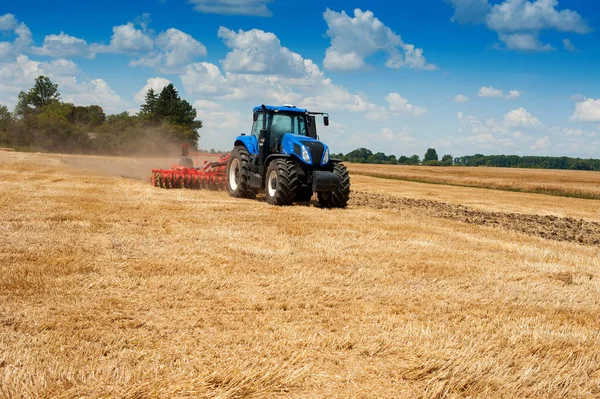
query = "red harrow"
x=211 y=175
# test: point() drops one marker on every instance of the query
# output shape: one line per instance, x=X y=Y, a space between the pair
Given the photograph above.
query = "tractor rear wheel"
x=238 y=172
x=281 y=182
x=340 y=197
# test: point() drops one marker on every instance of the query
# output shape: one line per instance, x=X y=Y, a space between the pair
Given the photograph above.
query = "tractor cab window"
x=258 y=124
x=286 y=123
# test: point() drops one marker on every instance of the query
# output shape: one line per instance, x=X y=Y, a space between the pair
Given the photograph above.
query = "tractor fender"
x=249 y=142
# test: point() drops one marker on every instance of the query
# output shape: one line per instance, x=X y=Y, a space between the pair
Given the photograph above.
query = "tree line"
x=364 y=155
x=41 y=121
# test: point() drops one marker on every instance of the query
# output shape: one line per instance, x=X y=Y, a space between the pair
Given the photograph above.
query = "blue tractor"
x=284 y=158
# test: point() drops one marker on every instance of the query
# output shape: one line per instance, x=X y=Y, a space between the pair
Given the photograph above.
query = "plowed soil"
x=545 y=226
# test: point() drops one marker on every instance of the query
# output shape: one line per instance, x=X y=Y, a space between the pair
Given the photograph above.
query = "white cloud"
x=95 y=91
x=305 y=84
x=524 y=42
x=587 y=111
x=23 y=39
x=469 y=11
x=571 y=132
x=568 y=45
x=403 y=136
x=541 y=145
x=521 y=15
x=63 y=45
x=400 y=105
x=22 y=73
x=519 y=22
x=355 y=39
x=257 y=51
x=239 y=7
x=8 y=22
x=521 y=118
x=461 y=98
x=156 y=84
x=215 y=116
x=174 y=50
x=513 y=95
x=490 y=92
x=127 y=39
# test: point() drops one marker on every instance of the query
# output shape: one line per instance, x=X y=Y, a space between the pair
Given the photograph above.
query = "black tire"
x=186 y=162
x=281 y=182
x=238 y=187
x=340 y=197
x=303 y=194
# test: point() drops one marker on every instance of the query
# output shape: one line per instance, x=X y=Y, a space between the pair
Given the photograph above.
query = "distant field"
x=570 y=183
x=112 y=288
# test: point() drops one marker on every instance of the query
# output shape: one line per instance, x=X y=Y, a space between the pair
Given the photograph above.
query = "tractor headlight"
x=305 y=154
x=325 y=157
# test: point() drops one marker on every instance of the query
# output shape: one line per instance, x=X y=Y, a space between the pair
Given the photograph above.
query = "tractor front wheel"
x=238 y=172
x=340 y=197
x=281 y=182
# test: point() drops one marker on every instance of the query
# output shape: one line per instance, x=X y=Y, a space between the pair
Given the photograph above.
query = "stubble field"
x=112 y=288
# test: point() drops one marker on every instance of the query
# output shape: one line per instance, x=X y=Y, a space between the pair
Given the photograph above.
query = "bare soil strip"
x=548 y=227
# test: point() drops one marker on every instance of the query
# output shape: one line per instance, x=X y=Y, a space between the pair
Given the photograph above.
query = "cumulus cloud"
x=519 y=22
x=174 y=49
x=521 y=118
x=257 y=51
x=300 y=81
x=521 y=15
x=21 y=74
x=399 y=105
x=541 y=144
x=215 y=116
x=461 y=98
x=156 y=84
x=96 y=91
x=568 y=45
x=233 y=7
x=127 y=39
x=470 y=11
x=353 y=39
x=63 y=45
x=23 y=36
x=524 y=42
x=490 y=91
x=587 y=111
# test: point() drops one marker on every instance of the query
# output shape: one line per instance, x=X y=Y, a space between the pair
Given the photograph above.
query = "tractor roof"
x=281 y=108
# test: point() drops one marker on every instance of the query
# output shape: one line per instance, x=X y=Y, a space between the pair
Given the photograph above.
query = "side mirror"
x=326 y=120
x=262 y=136
x=255 y=116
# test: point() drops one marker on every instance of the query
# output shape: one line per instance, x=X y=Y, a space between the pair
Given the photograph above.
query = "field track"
x=549 y=227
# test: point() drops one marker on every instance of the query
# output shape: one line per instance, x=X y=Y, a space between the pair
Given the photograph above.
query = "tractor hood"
x=306 y=149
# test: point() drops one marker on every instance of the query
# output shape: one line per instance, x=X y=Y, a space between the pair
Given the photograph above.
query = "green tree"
x=5 y=117
x=447 y=160
x=414 y=160
x=42 y=93
x=430 y=155
x=403 y=160
x=176 y=111
x=148 y=109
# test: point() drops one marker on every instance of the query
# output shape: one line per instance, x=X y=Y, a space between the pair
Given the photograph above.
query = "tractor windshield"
x=282 y=123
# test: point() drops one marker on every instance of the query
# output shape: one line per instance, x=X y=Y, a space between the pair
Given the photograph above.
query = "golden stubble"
x=112 y=288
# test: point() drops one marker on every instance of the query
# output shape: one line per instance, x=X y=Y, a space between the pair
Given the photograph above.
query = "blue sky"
x=463 y=76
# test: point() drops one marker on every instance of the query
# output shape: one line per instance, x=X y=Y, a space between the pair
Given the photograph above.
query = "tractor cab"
x=283 y=156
